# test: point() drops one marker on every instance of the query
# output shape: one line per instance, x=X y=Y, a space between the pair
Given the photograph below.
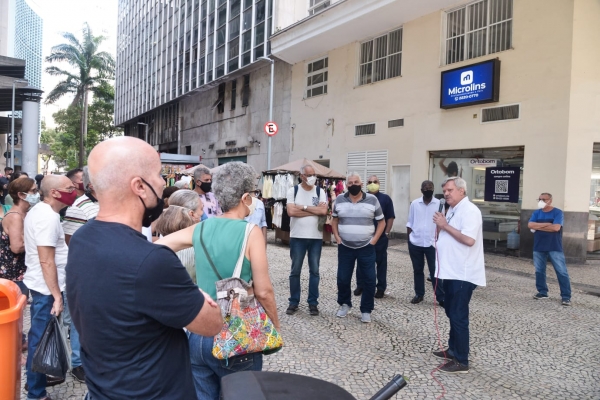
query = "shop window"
x=367 y=163
x=314 y=6
x=366 y=129
x=503 y=113
x=381 y=58
x=480 y=28
x=396 y=123
x=316 y=78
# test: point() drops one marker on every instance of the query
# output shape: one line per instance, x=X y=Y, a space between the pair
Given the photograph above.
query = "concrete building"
x=191 y=80
x=393 y=87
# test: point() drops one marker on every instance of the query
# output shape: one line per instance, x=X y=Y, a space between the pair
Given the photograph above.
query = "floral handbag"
x=247 y=328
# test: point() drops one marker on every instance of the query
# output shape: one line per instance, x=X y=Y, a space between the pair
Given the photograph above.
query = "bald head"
x=56 y=182
x=115 y=162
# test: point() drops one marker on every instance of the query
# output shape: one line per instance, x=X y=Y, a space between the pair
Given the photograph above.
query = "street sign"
x=271 y=128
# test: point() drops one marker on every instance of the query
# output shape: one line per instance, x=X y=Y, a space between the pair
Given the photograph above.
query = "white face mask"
x=542 y=204
x=310 y=181
x=32 y=199
x=252 y=206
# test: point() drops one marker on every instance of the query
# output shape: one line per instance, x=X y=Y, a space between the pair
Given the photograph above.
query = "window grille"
x=500 y=113
x=314 y=6
x=480 y=28
x=395 y=123
x=317 y=75
x=366 y=129
x=367 y=163
x=381 y=58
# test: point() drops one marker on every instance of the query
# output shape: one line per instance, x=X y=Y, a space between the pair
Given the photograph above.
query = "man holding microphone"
x=460 y=264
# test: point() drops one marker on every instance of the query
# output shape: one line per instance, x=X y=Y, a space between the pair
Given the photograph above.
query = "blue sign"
x=474 y=84
x=502 y=184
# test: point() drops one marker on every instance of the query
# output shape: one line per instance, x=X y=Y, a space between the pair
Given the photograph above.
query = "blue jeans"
x=208 y=371
x=557 y=258
x=25 y=291
x=457 y=297
x=380 y=263
x=298 y=249
x=365 y=263
x=418 y=255
x=41 y=305
x=74 y=335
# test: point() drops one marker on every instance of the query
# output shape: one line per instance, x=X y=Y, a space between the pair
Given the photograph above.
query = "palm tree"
x=93 y=70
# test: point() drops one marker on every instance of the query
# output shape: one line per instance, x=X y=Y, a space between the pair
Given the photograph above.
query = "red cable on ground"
x=437 y=328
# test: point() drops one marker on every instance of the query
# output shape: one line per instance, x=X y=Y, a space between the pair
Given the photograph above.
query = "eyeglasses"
x=254 y=193
x=67 y=190
x=369 y=182
x=32 y=191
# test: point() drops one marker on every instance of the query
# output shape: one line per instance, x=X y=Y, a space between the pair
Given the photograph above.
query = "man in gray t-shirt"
x=305 y=204
x=353 y=215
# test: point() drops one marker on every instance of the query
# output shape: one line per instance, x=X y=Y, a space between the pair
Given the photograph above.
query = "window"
x=367 y=163
x=381 y=58
x=188 y=150
x=501 y=113
x=396 y=123
x=316 y=78
x=314 y=6
x=246 y=91
x=366 y=129
x=220 y=102
x=233 y=93
x=480 y=28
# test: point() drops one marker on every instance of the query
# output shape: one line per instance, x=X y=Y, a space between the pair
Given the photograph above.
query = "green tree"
x=94 y=70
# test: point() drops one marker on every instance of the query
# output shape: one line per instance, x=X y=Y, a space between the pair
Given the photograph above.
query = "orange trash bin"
x=12 y=304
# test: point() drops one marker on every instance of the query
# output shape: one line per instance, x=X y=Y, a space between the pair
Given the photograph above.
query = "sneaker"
x=379 y=294
x=79 y=374
x=416 y=300
x=366 y=317
x=357 y=291
x=313 y=310
x=343 y=311
x=454 y=367
x=445 y=355
x=566 y=303
x=539 y=296
x=291 y=310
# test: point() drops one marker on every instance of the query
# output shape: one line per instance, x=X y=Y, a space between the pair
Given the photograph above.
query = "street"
x=520 y=348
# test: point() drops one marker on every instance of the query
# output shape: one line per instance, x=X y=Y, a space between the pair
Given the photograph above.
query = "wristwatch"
x=305 y=207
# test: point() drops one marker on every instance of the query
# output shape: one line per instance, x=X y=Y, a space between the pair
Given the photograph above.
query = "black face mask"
x=152 y=214
x=354 y=189
x=206 y=186
x=427 y=194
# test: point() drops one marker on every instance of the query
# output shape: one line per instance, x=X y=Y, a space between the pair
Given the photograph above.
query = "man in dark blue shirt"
x=382 y=244
x=130 y=299
x=546 y=224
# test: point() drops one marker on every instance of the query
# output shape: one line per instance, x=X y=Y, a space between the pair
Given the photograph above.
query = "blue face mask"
x=32 y=199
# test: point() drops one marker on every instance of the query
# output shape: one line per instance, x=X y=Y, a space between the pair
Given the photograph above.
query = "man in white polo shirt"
x=460 y=264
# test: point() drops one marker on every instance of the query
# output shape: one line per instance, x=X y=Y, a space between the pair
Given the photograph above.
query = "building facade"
x=372 y=91
x=192 y=78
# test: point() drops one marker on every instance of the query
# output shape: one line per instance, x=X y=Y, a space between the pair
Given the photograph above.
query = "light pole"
x=12 y=124
x=146 y=130
x=270 y=107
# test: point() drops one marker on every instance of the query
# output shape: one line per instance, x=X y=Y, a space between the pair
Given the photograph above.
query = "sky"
x=69 y=16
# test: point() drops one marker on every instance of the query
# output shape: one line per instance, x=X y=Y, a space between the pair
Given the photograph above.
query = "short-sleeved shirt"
x=420 y=221
x=548 y=241
x=3 y=181
x=258 y=217
x=79 y=213
x=42 y=227
x=387 y=206
x=457 y=261
x=211 y=205
x=129 y=300
x=305 y=227
x=355 y=220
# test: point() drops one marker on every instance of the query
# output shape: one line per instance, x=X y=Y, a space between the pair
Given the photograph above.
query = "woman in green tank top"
x=234 y=185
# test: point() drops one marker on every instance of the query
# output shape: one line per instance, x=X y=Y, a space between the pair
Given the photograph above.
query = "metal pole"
x=147 y=133
x=270 y=112
x=12 y=139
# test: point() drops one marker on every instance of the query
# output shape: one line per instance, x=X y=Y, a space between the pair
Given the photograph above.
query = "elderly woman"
x=185 y=209
x=234 y=186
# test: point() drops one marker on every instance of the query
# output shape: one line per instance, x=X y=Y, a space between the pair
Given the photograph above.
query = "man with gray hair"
x=356 y=236
x=460 y=265
x=203 y=182
x=130 y=299
x=45 y=257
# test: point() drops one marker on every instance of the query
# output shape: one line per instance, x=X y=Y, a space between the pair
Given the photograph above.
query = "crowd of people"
x=131 y=266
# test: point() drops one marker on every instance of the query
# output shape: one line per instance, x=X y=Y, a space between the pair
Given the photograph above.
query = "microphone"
x=442 y=202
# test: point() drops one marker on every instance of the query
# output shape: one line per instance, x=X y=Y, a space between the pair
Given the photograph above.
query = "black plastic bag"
x=51 y=356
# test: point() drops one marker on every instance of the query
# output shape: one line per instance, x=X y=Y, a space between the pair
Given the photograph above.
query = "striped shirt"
x=355 y=220
x=79 y=213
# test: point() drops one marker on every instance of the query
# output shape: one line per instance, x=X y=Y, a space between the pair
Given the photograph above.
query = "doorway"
x=401 y=196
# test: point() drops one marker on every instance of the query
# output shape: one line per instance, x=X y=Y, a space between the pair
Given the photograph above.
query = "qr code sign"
x=502 y=186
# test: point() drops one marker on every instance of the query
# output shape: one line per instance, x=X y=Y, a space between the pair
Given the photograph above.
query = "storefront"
x=494 y=179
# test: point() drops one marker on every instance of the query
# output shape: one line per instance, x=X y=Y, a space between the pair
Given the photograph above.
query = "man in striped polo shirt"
x=356 y=236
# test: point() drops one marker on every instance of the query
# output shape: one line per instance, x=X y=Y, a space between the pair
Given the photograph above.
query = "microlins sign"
x=473 y=84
